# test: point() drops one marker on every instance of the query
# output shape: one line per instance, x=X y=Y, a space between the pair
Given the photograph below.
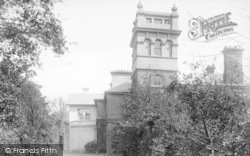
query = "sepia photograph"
x=125 y=77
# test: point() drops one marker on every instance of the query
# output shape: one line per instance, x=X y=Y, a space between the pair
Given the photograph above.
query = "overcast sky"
x=102 y=30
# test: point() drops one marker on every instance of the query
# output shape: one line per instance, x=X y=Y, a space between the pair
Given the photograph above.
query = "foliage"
x=192 y=116
x=8 y=136
x=125 y=140
x=216 y=112
x=91 y=147
x=34 y=121
x=102 y=149
x=31 y=121
x=152 y=118
x=34 y=118
x=59 y=120
x=27 y=27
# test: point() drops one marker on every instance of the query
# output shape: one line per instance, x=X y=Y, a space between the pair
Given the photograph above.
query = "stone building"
x=82 y=120
x=154 y=44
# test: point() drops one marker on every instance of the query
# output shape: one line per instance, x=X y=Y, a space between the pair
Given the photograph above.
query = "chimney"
x=120 y=77
x=85 y=90
x=233 y=72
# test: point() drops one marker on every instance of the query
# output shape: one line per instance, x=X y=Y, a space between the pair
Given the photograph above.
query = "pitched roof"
x=124 y=87
x=83 y=99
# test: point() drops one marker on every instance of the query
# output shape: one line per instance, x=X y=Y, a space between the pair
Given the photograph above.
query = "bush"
x=101 y=149
x=91 y=147
x=183 y=119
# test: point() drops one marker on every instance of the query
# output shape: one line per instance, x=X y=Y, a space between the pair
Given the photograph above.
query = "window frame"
x=169 y=49
x=157 y=21
x=157 y=84
x=148 y=20
x=158 y=48
x=82 y=114
x=147 y=46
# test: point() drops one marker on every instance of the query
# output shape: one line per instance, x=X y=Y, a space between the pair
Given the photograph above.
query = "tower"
x=155 y=44
x=233 y=72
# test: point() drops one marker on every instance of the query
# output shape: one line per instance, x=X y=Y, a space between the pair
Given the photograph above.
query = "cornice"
x=157 y=14
x=155 y=30
x=116 y=93
x=160 y=57
x=153 y=70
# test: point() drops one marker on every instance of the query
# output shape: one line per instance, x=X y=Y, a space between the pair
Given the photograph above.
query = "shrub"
x=189 y=117
x=101 y=149
x=91 y=147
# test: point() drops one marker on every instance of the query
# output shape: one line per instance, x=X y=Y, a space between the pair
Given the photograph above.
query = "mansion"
x=154 y=44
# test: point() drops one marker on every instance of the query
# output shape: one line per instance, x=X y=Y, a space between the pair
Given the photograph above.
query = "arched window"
x=147 y=46
x=157 y=81
x=157 y=48
x=169 y=48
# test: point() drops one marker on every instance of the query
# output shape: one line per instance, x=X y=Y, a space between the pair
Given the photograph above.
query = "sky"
x=101 y=32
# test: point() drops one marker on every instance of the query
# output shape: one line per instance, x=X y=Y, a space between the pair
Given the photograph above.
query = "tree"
x=217 y=114
x=192 y=116
x=59 y=120
x=34 y=120
x=154 y=122
x=27 y=27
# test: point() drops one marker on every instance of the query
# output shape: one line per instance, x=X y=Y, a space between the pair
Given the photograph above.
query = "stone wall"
x=80 y=136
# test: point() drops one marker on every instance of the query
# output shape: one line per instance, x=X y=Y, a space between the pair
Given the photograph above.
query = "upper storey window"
x=158 y=21
x=148 y=20
x=166 y=21
x=157 y=48
x=147 y=46
x=169 y=48
x=84 y=114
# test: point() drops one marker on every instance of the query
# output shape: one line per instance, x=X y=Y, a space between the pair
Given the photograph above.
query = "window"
x=157 y=48
x=158 y=21
x=166 y=21
x=169 y=49
x=147 y=46
x=157 y=81
x=148 y=20
x=84 y=114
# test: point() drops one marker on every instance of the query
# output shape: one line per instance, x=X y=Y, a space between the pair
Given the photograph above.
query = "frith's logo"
x=210 y=28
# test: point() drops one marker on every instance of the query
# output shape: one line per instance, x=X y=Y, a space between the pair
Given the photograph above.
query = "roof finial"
x=174 y=8
x=139 y=5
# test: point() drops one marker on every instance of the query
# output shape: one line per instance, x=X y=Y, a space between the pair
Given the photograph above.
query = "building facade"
x=82 y=120
x=154 y=46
